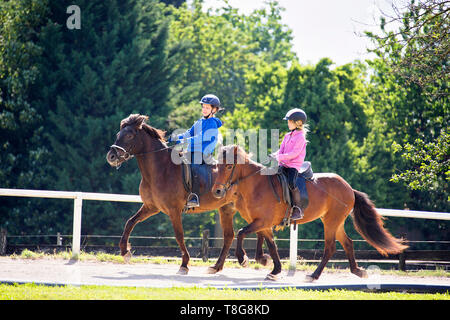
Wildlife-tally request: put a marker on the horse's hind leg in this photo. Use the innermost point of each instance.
(142, 214)
(260, 256)
(347, 244)
(329, 249)
(226, 220)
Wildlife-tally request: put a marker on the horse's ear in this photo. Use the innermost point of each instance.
(236, 152)
(140, 121)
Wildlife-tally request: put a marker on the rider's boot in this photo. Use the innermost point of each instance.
(297, 212)
(193, 199)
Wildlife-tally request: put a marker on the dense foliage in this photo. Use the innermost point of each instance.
(64, 91)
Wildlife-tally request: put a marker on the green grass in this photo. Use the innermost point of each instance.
(41, 292)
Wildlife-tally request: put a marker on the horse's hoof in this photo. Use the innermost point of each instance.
(127, 257)
(183, 271)
(265, 260)
(362, 273)
(245, 262)
(272, 277)
(211, 270)
(309, 278)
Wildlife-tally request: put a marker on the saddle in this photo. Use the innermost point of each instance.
(305, 173)
(197, 176)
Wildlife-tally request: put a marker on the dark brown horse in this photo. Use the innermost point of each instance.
(162, 190)
(330, 198)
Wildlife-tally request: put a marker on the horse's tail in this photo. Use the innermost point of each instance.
(369, 223)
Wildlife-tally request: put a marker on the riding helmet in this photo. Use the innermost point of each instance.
(212, 100)
(295, 115)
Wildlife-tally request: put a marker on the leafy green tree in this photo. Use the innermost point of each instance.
(118, 63)
(85, 81)
(23, 151)
(409, 93)
(431, 167)
(223, 46)
(175, 3)
(420, 44)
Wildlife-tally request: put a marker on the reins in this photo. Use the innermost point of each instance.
(153, 151)
(230, 184)
(127, 156)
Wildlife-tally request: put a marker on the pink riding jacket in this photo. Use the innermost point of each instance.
(293, 150)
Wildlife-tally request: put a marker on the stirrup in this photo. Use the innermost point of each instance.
(193, 201)
(295, 217)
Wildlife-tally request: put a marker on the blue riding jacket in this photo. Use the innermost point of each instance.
(202, 136)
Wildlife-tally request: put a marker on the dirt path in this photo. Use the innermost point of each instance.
(55, 271)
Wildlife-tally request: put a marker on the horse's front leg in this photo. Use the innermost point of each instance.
(268, 234)
(241, 255)
(226, 220)
(175, 218)
(142, 214)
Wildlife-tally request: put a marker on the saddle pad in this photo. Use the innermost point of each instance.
(186, 176)
(284, 188)
(305, 173)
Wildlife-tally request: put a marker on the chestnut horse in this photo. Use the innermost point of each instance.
(330, 198)
(162, 190)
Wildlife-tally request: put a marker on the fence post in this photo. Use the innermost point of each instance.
(76, 239)
(293, 247)
(2, 241)
(205, 245)
(401, 262)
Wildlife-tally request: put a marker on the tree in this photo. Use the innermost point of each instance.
(420, 44)
(334, 101)
(118, 63)
(410, 82)
(175, 3)
(430, 164)
(24, 153)
(87, 80)
(224, 45)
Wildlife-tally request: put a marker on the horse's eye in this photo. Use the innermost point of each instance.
(229, 167)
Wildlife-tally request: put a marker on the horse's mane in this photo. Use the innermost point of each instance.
(239, 155)
(138, 122)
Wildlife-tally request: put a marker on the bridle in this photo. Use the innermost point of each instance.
(228, 185)
(127, 155)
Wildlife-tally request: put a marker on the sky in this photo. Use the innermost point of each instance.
(324, 28)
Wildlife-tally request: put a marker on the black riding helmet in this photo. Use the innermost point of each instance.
(212, 100)
(295, 115)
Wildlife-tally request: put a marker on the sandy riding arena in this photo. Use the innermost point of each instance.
(61, 272)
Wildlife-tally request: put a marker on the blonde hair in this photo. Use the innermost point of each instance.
(299, 125)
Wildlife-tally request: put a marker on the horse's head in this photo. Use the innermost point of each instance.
(228, 160)
(131, 139)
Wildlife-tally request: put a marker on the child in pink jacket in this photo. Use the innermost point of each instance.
(292, 153)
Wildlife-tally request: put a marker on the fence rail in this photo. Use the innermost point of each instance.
(78, 198)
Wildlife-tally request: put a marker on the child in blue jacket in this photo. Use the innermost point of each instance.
(202, 138)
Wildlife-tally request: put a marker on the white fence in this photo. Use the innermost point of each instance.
(78, 198)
